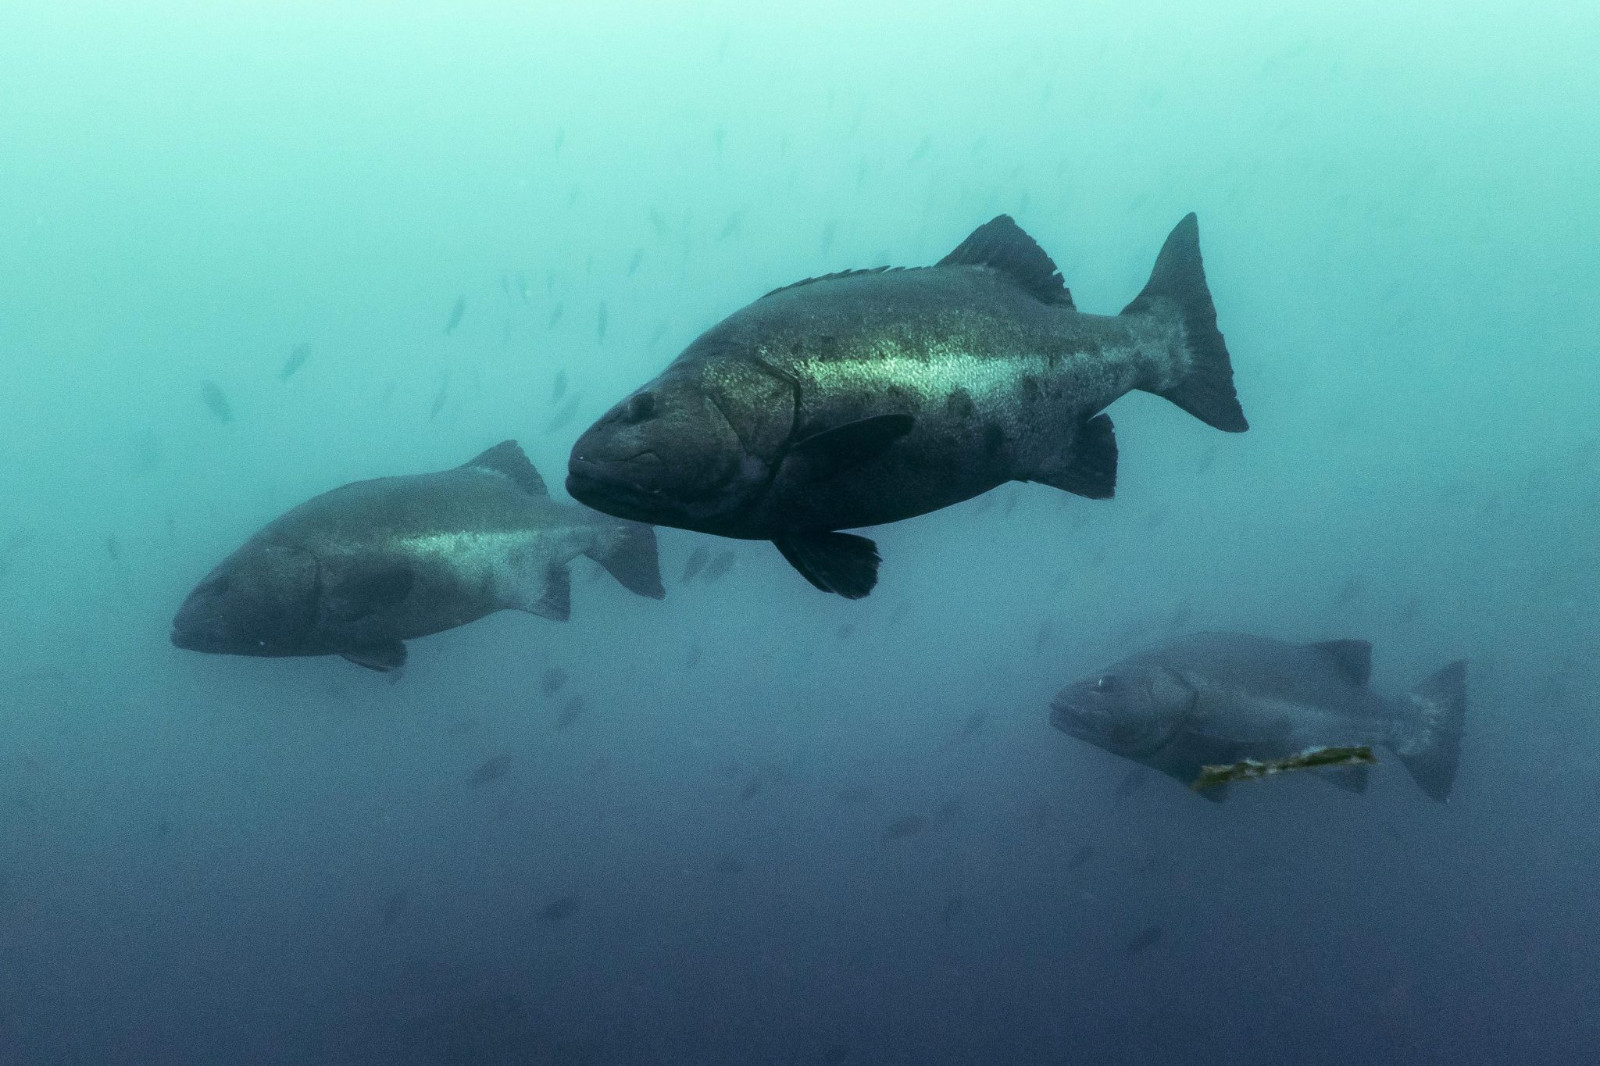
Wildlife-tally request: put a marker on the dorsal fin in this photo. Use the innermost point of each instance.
(1352, 658)
(1002, 245)
(835, 276)
(508, 458)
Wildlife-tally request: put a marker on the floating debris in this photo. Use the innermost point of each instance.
(1310, 759)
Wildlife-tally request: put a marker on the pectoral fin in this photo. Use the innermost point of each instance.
(383, 656)
(833, 451)
(842, 563)
(368, 590)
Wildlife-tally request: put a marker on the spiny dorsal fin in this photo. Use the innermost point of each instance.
(508, 458)
(1352, 658)
(1002, 245)
(835, 276)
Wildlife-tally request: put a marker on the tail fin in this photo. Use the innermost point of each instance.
(1177, 286)
(628, 551)
(1431, 748)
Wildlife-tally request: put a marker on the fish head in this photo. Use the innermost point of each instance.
(1132, 710)
(695, 448)
(262, 600)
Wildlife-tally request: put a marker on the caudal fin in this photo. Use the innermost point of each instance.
(1431, 747)
(628, 551)
(1177, 286)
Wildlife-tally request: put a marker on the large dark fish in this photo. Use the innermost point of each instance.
(876, 395)
(359, 570)
(1220, 698)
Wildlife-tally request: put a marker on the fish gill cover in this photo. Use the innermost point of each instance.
(751, 822)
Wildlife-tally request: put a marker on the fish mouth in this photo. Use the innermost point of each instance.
(1067, 717)
(604, 487)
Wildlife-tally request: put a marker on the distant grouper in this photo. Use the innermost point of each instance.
(361, 569)
(872, 396)
(1217, 707)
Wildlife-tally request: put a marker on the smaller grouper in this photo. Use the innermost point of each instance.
(361, 569)
(1214, 700)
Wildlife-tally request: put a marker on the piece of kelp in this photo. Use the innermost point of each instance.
(1310, 759)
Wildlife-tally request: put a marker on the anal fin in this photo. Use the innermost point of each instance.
(841, 563)
(1091, 470)
(383, 656)
(555, 597)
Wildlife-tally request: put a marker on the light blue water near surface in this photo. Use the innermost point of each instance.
(208, 859)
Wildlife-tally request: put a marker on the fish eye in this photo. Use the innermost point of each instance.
(1105, 683)
(640, 407)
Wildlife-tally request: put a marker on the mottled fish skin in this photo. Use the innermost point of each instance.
(377, 562)
(1222, 698)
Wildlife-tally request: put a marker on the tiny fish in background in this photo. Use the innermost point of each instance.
(1148, 938)
(456, 314)
(571, 712)
(216, 402)
(1080, 855)
(564, 415)
(718, 568)
(297, 359)
(697, 561)
(952, 910)
(394, 909)
(559, 388)
(555, 315)
(491, 769)
(560, 908)
(906, 826)
(440, 397)
(600, 323)
(728, 866)
(113, 549)
(633, 264)
(552, 680)
(751, 789)
(1132, 781)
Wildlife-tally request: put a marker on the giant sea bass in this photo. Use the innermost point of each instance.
(871, 396)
